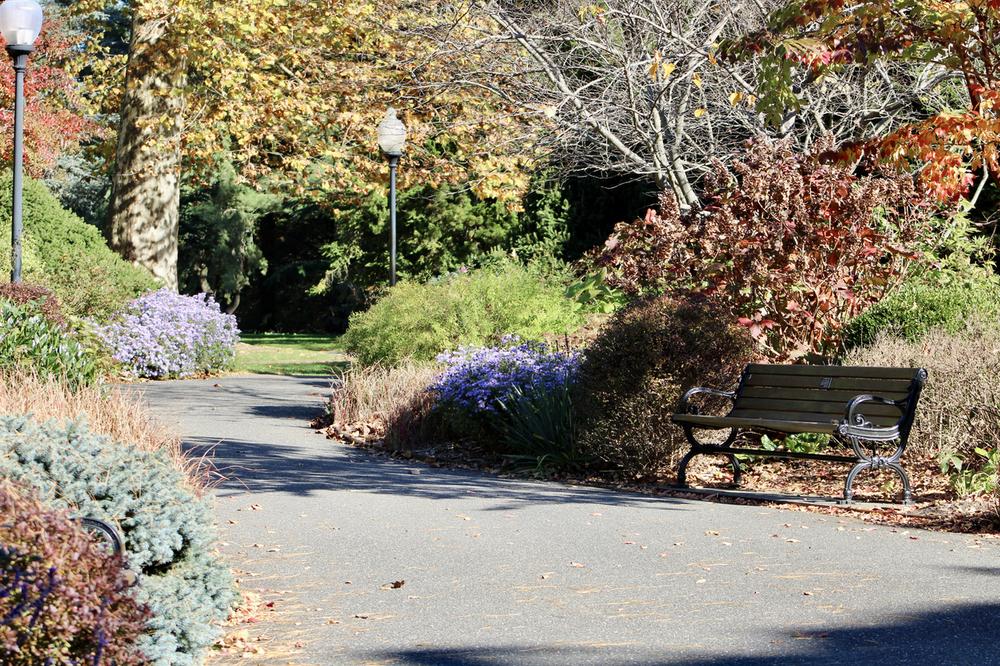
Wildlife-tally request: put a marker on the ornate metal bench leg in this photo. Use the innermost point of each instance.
(682, 469)
(737, 469)
(848, 490)
(905, 478)
(877, 463)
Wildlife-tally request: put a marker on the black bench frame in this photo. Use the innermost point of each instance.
(853, 430)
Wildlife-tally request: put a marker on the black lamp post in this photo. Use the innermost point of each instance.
(20, 23)
(391, 139)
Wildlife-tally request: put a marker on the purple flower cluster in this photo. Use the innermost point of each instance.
(164, 334)
(478, 379)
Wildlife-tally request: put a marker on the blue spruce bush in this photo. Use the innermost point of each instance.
(168, 531)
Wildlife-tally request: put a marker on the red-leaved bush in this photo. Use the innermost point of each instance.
(62, 600)
(38, 299)
(793, 247)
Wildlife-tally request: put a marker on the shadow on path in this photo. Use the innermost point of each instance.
(256, 467)
(956, 635)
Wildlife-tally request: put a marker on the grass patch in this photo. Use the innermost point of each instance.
(291, 354)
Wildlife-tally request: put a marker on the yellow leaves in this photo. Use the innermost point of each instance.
(735, 98)
(660, 70)
(696, 79)
(698, 113)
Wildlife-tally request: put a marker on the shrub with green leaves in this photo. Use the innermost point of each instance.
(168, 531)
(470, 309)
(977, 475)
(30, 341)
(919, 306)
(62, 599)
(634, 373)
(68, 256)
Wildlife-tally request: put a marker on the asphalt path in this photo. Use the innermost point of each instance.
(376, 561)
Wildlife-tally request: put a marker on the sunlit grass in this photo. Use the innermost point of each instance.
(292, 354)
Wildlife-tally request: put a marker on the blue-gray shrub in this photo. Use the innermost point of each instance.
(168, 530)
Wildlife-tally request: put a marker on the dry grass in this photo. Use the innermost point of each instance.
(117, 412)
(393, 401)
(959, 408)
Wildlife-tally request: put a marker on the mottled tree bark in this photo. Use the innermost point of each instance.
(145, 199)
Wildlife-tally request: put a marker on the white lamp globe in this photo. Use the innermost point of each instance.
(20, 22)
(391, 134)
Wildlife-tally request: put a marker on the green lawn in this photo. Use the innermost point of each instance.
(289, 354)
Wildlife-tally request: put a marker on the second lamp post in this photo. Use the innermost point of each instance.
(20, 23)
(391, 139)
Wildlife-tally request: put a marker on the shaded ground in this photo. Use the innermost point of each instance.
(291, 354)
(499, 571)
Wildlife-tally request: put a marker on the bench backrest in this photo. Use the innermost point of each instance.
(821, 392)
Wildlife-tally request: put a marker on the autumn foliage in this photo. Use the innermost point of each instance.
(55, 111)
(62, 600)
(793, 247)
(955, 41)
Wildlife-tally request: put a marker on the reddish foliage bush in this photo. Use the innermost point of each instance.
(635, 371)
(62, 600)
(792, 247)
(38, 297)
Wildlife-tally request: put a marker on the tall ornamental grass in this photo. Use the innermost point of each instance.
(115, 411)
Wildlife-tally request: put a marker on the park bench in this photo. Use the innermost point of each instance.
(865, 409)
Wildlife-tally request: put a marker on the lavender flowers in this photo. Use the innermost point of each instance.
(164, 334)
(477, 381)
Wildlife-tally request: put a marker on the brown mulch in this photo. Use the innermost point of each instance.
(935, 506)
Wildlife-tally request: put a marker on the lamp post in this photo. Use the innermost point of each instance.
(20, 23)
(391, 139)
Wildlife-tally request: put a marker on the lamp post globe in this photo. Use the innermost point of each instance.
(20, 25)
(392, 140)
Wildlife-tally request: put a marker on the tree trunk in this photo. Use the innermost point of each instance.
(145, 199)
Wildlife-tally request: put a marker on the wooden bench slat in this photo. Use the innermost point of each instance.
(817, 394)
(835, 408)
(854, 372)
(836, 383)
(813, 417)
(721, 422)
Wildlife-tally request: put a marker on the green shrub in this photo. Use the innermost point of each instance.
(979, 475)
(30, 341)
(635, 371)
(168, 531)
(478, 308)
(62, 600)
(68, 256)
(919, 306)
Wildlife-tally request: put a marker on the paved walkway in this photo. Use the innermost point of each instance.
(510, 572)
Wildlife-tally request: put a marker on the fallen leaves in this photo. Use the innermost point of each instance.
(395, 585)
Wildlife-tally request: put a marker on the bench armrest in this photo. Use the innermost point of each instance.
(856, 425)
(685, 408)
